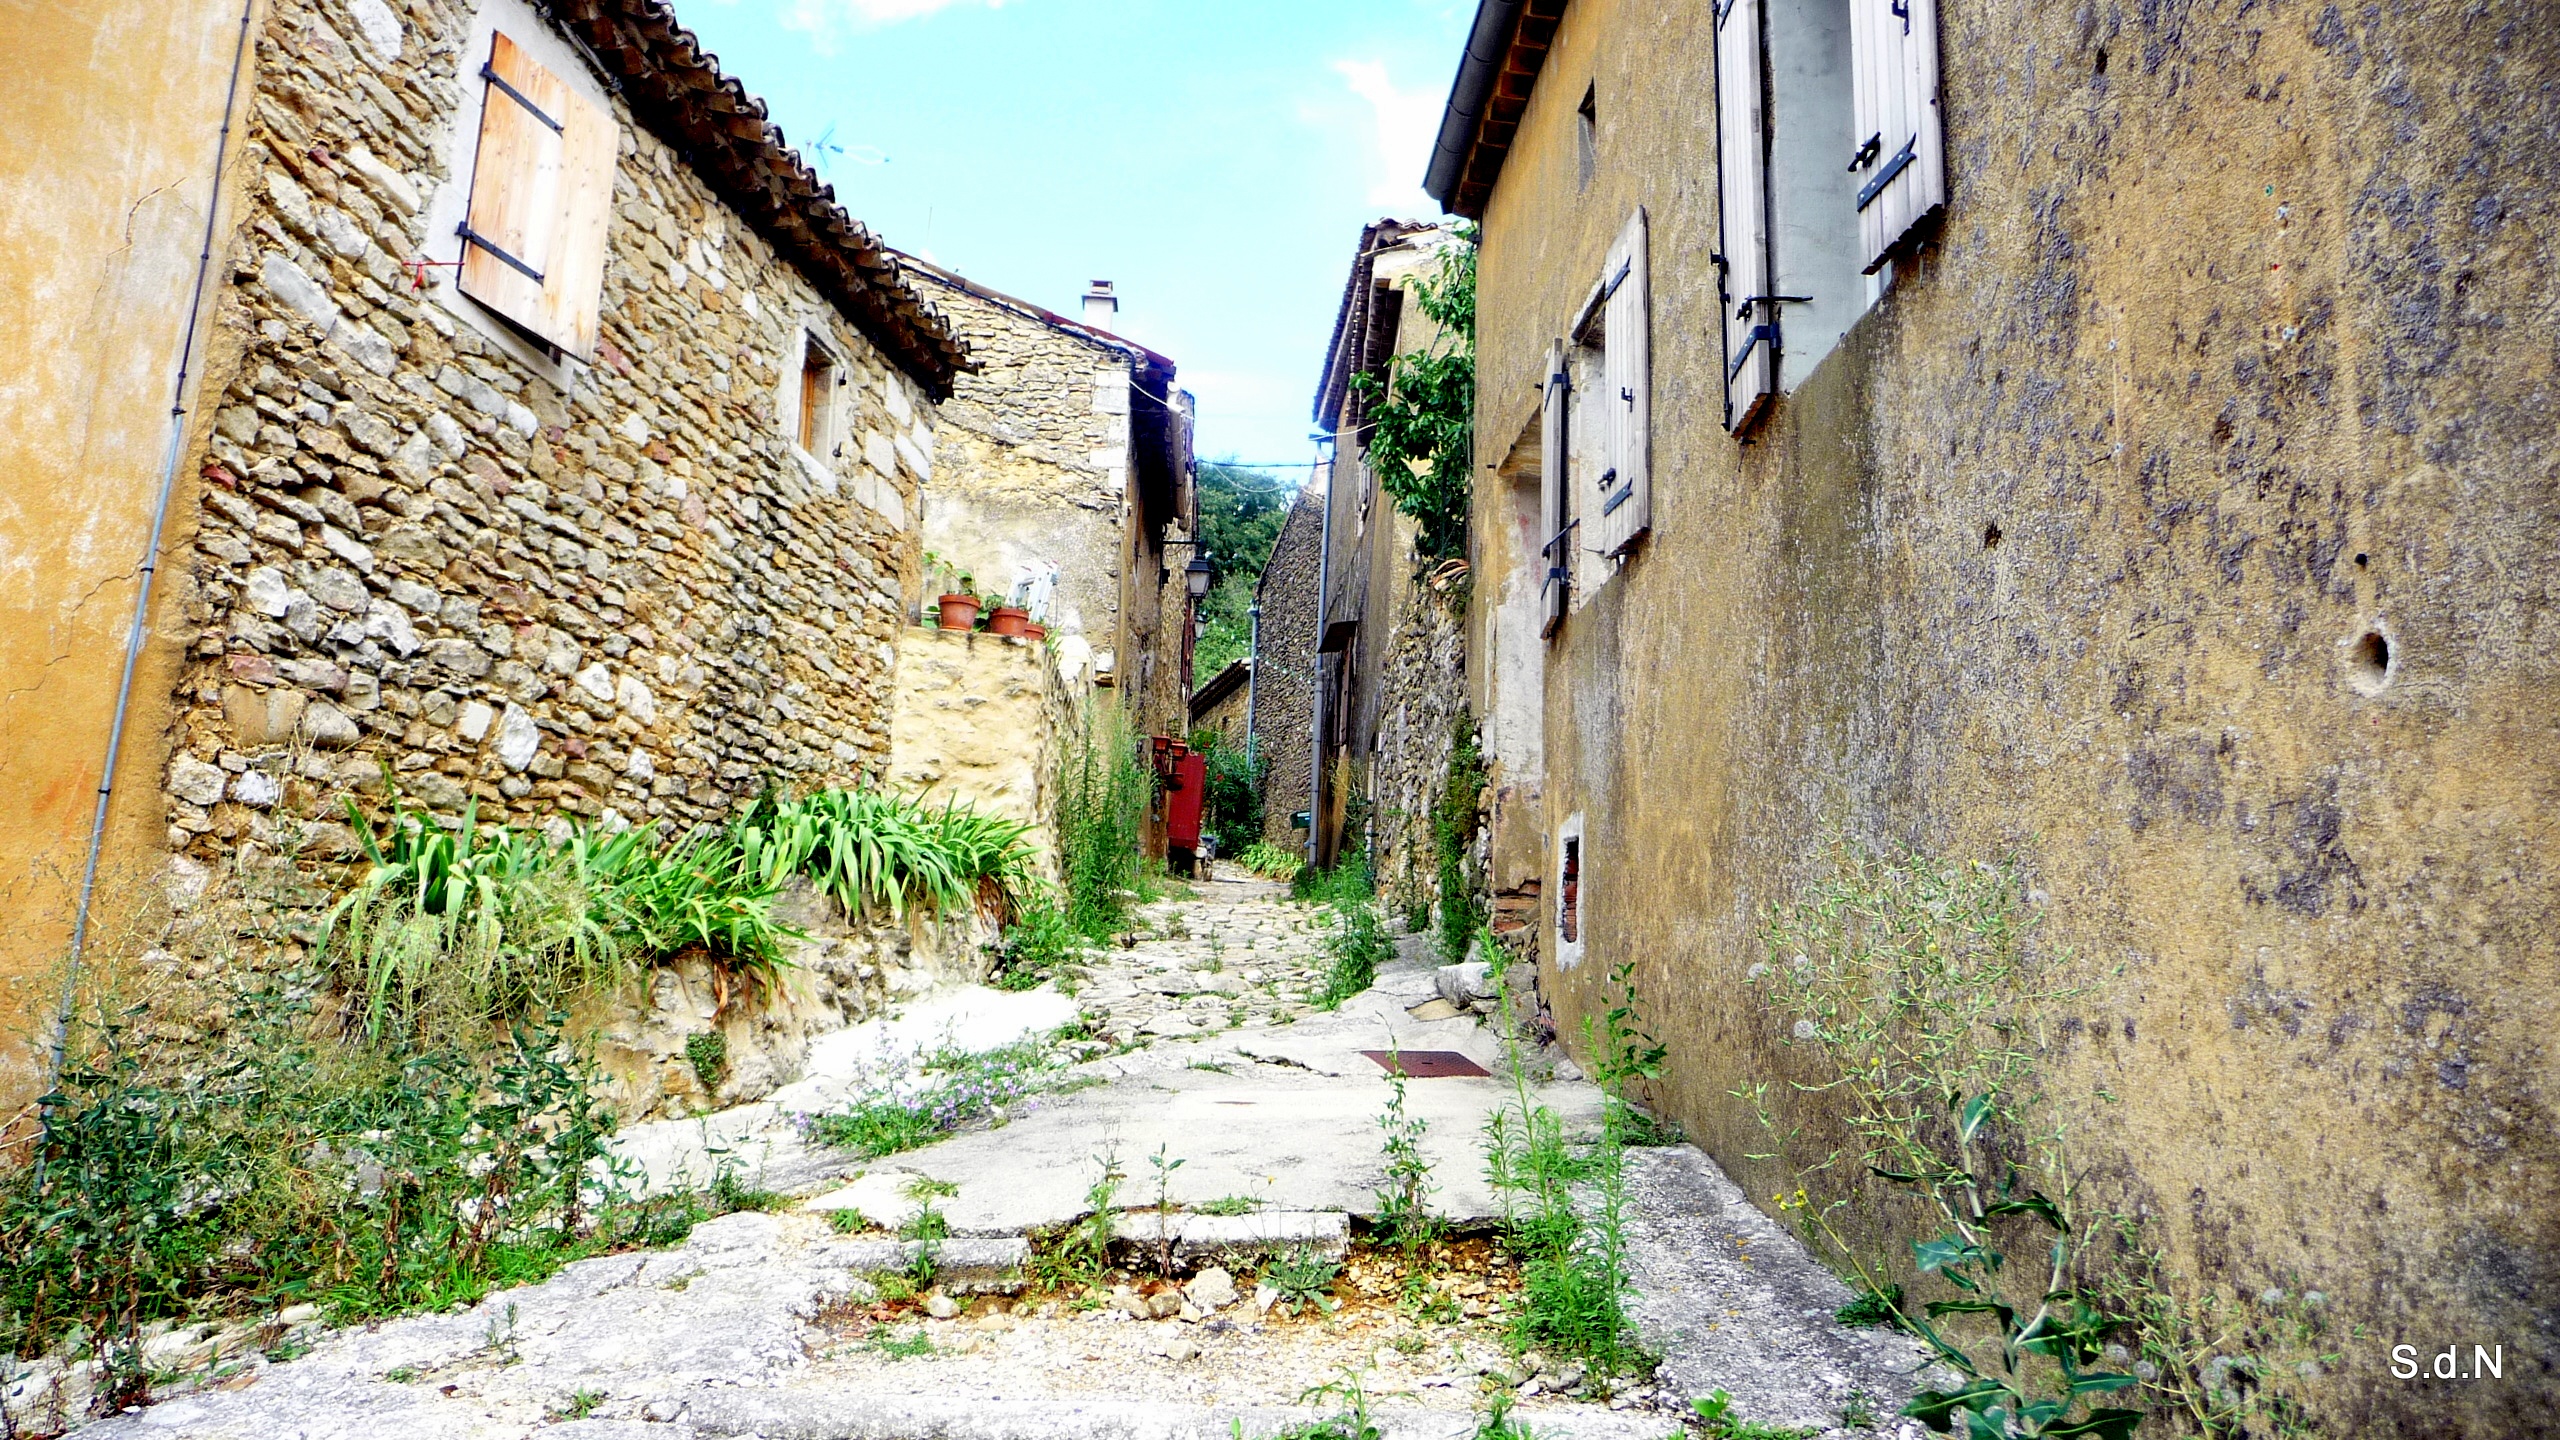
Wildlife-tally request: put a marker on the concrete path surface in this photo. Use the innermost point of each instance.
(770, 1325)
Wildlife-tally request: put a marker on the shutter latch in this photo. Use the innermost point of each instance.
(1902, 8)
(1868, 152)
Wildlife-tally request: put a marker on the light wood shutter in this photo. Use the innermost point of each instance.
(541, 191)
(1555, 556)
(1626, 501)
(1900, 168)
(1750, 317)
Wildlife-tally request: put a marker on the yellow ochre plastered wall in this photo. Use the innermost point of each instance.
(106, 168)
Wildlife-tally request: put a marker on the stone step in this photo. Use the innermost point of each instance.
(1218, 1239)
(960, 1266)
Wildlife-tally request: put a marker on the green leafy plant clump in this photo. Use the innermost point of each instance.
(1453, 836)
(1272, 862)
(369, 1179)
(475, 924)
(1104, 789)
(1359, 942)
(955, 1088)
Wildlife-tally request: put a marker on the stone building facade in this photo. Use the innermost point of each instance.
(2163, 499)
(623, 546)
(1383, 611)
(1284, 666)
(1068, 449)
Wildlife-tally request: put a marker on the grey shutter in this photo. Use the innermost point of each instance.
(1901, 168)
(1555, 557)
(1750, 318)
(1626, 500)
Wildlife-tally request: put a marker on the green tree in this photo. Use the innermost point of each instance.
(1241, 512)
(1422, 415)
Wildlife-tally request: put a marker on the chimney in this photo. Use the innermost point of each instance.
(1101, 307)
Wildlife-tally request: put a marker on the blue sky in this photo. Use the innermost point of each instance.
(1215, 159)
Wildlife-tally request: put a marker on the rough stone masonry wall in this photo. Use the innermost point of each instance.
(414, 551)
(1422, 694)
(1284, 671)
(1034, 461)
(980, 719)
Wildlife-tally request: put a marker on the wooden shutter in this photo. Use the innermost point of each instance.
(541, 189)
(1626, 498)
(1900, 168)
(1750, 318)
(1555, 555)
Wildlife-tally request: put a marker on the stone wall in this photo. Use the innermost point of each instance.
(1035, 461)
(1422, 698)
(2180, 523)
(617, 593)
(1284, 670)
(981, 718)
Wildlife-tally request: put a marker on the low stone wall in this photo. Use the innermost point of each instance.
(841, 973)
(978, 718)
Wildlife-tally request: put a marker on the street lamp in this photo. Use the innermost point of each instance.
(1196, 576)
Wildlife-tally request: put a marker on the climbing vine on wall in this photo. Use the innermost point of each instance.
(1422, 414)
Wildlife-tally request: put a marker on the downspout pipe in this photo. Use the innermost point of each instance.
(138, 630)
(1478, 69)
(1315, 729)
(1252, 668)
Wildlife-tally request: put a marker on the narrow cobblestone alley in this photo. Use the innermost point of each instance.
(1193, 1055)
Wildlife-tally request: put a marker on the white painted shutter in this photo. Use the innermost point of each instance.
(1555, 554)
(1901, 168)
(541, 191)
(1626, 494)
(1750, 320)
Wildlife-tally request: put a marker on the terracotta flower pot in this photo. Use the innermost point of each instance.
(1035, 632)
(959, 612)
(1009, 620)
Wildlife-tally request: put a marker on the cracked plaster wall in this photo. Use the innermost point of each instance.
(2237, 342)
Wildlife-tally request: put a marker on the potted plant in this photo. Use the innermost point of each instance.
(1008, 619)
(960, 604)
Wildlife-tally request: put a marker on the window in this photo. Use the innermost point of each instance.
(1571, 924)
(817, 389)
(1832, 164)
(1587, 136)
(1595, 460)
(541, 191)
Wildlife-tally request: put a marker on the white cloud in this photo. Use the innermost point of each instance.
(1405, 123)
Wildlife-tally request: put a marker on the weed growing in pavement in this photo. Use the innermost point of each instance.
(730, 1194)
(1074, 1259)
(1037, 947)
(1718, 1422)
(848, 1221)
(1404, 1203)
(581, 1404)
(1573, 1266)
(1352, 1423)
(1229, 1205)
(955, 1088)
(1272, 862)
(1872, 1309)
(928, 1224)
(902, 1344)
(1497, 1423)
(1358, 944)
(1164, 1165)
(1303, 1278)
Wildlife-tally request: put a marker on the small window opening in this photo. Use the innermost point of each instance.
(2361, 561)
(817, 387)
(1587, 133)
(1991, 536)
(1569, 900)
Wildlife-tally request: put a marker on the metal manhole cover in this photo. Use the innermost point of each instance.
(1426, 1064)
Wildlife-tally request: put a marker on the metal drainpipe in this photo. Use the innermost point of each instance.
(1252, 667)
(1315, 730)
(135, 632)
